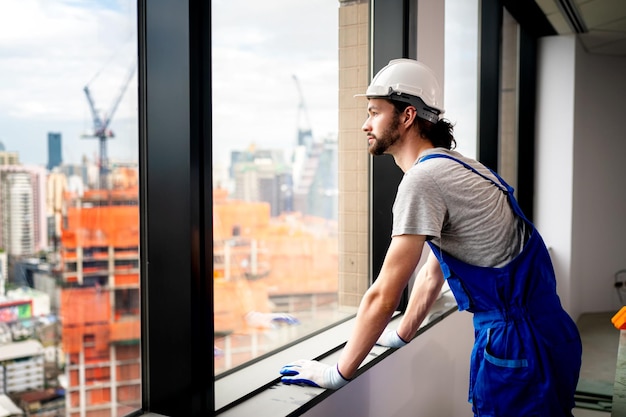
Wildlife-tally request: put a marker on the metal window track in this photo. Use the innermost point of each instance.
(569, 9)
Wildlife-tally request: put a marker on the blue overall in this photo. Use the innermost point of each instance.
(527, 350)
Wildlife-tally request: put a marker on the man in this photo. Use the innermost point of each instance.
(527, 351)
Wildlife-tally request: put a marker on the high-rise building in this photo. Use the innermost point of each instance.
(23, 223)
(4, 273)
(77, 175)
(57, 186)
(55, 158)
(322, 196)
(8, 158)
(263, 175)
(16, 194)
(315, 179)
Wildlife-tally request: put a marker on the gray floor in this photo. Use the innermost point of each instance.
(600, 343)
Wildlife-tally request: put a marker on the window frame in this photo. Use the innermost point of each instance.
(533, 25)
(174, 143)
(175, 166)
(388, 41)
(175, 179)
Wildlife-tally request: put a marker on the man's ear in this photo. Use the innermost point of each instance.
(409, 115)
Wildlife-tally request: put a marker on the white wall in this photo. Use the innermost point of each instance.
(554, 150)
(427, 378)
(599, 237)
(599, 222)
(580, 172)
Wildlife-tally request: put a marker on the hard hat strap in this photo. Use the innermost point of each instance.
(423, 111)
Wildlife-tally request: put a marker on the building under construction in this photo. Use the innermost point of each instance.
(99, 308)
(269, 272)
(264, 266)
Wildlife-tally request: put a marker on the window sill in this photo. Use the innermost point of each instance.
(257, 390)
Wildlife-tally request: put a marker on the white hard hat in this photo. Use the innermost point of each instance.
(409, 81)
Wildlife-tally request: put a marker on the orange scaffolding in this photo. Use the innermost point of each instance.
(99, 306)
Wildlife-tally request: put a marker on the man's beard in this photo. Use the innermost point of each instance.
(387, 138)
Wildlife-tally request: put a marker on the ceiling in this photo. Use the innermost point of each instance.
(600, 24)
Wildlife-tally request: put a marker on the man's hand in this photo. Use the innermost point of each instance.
(390, 338)
(313, 373)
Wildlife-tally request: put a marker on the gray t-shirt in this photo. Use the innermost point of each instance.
(463, 213)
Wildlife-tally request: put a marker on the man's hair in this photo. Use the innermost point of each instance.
(439, 134)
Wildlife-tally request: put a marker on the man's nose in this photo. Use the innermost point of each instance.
(366, 126)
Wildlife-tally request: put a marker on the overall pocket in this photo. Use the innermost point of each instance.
(505, 382)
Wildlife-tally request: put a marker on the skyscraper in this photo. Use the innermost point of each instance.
(17, 197)
(54, 150)
(8, 158)
(23, 224)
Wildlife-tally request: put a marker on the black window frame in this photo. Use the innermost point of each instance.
(533, 25)
(175, 203)
(176, 180)
(389, 41)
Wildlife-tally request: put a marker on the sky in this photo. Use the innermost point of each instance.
(51, 49)
(256, 54)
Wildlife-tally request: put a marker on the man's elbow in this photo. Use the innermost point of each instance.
(381, 301)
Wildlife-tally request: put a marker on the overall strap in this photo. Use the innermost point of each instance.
(507, 188)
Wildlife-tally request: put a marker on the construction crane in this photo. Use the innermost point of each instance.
(305, 134)
(101, 124)
(306, 159)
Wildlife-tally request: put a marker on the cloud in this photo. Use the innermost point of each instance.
(257, 49)
(49, 50)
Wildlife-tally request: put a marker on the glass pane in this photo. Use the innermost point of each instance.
(275, 169)
(461, 72)
(69, 229)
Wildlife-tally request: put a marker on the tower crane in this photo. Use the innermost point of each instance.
(306, 158)
(101, 124)
(305, 134)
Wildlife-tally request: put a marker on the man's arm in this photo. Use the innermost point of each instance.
(426, 289)
(377, 306)
(381, 300)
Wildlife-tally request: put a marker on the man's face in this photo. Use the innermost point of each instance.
(381, 126)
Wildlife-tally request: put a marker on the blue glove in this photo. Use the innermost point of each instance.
(269, 320)
(313, 373)
(391, 339)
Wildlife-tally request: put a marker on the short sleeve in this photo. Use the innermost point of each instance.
(419, 207)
